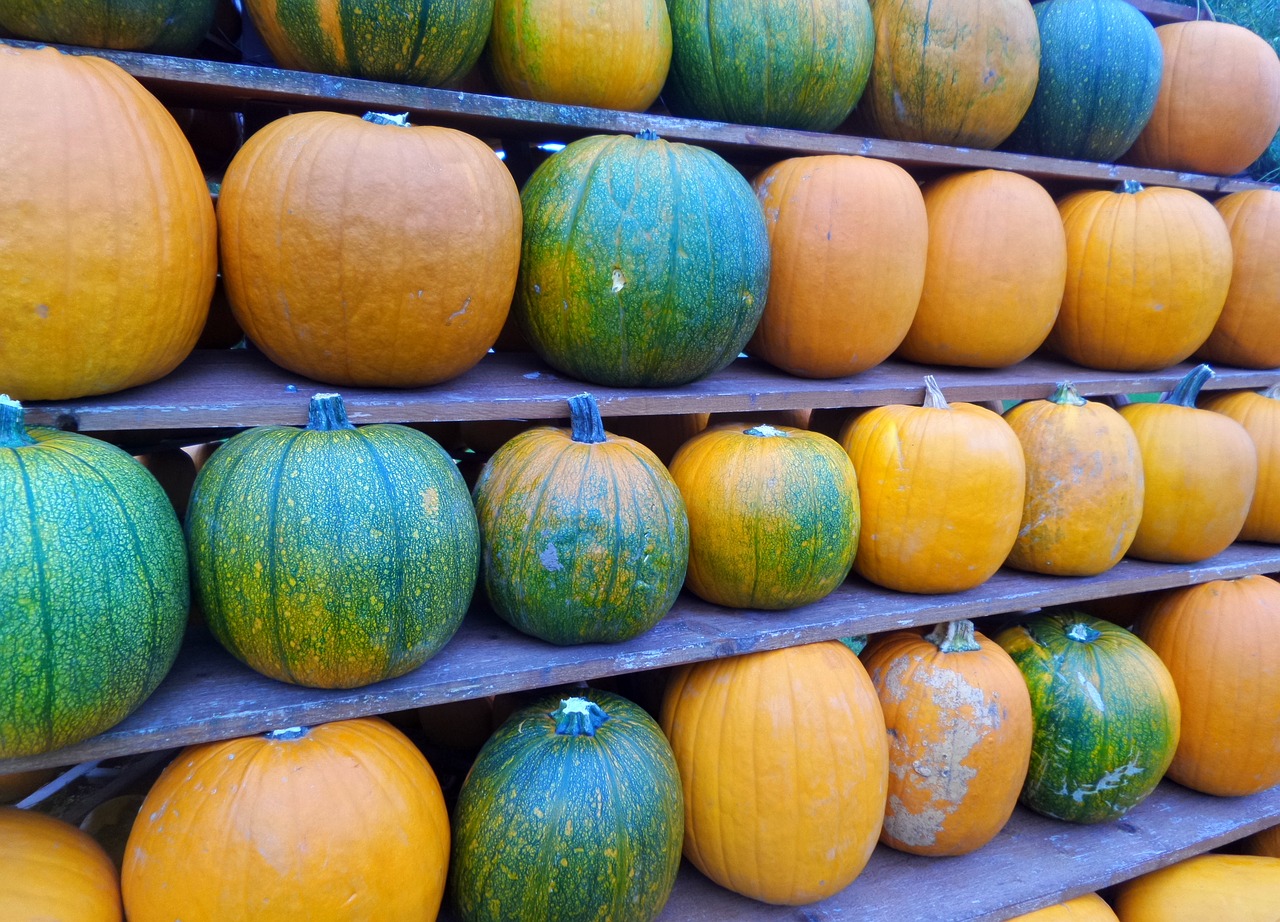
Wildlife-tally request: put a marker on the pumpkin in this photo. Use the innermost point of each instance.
(429, 44)
(94, 599)
(773, 515)
(1259, 413)
(959, 722)
(54, 871)
(1147, 276)
(1087, 908)
(461, 726)
(786, 63)
(612, 54)
(175, 471)
(332, 556)
(1100, 68)
(1200, 470)
(997, 265)
(1106, 715)
(1246, 332)
(1219, 102)
(156, 26)
(955, 72)
(109, 239)
(571, 811)
(110, 822)
(661, 433)
(1265, 842)
(584, 534)
(784, 763)
(366, 251)
(1242, 888)
(644, 263)
(1084, 485)
(941, 489)
(1221, 643)
(16, 786)
(340, 821)
(847, 240)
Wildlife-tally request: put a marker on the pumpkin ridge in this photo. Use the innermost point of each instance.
(551, 476)
(272, 504)
(400, 625)
(46, 661)
(572, 243)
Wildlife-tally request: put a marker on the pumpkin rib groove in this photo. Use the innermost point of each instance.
(537, 513)
(400, 625)
(272, 505)
(46, 659)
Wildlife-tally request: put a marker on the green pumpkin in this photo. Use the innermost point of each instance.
(155, 26)
(1106, 714)
(1100, 69)
(94, 597)
(644, 263)
(332, 556)
(584, 534)
(424, 42)
(783, 63)
(572, 812)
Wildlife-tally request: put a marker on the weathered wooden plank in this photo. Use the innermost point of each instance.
(1162, 11)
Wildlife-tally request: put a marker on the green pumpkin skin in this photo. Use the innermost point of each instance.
(153, 26)
(569, 827)
(1100, 69)
(94, 599)
(644, 263)
(1106, 714)
(768, 62)
(331, 556)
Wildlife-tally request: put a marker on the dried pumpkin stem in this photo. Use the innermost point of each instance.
(954, 637)
(1067, 395)
(933, 398)
(578, 717)
(585, 424)
(1186, 391)
(327, 413)
(765, 431)
(1083, 633)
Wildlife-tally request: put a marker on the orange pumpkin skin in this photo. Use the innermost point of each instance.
(341, 821)
(848, 238)
(1242, 888)
(995, 274)
(784, 763)
(1219, 102)
(1087, 908)
(941, 489)
(108, 235)
(1259, 413)
(1084, 485)
(1147, 275)
(959, 720)
(54, 871)
(14, 786)
(1265, 843)
(369, 254)
(1199, 470)
(1221, 643)
(1247, 333)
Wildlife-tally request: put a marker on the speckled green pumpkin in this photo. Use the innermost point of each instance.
(584, 534)
(332, 556)
(424, 42)
(572, 812)
(94, 587)
(785, 63)
(1106, 715)
(156, 26)
(644, 263)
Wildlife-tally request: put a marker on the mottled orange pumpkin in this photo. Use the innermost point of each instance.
(1239, 888)
(848, 239)
(1259, 413)
(1247, 333)
(54, 871)
(1221, 643)
(784, 764)
(1087, 908)
(959, 721)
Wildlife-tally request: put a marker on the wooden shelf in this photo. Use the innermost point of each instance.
(208, 695)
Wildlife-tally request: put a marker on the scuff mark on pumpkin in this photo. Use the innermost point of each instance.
(1091, 691)
(430, 501)
(550, 559)
(619, 280)
(459, 312)
(42, 311)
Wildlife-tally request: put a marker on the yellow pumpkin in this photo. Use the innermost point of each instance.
(54, 871)
(1087, 908)
(1259, 413)
(1238, 888)
(1247, 333)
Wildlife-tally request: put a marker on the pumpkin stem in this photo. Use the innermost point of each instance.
(13, 433)
(1186, 391)
(765, 431)
(1083, 633)
(1066, 394)
(327, 413)
(288, 733)
(933, 398)
(1273, 392)
(578, 717)
(647, 134)
(1130, 187)
(954, 637)
(857, 643)
(383, 118)
(584, 420)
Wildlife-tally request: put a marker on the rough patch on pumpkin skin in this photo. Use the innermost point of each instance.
(916, 829)
(42, 311)
(430, 500)
(1091, 692)
(1108, 782)
(550, 559)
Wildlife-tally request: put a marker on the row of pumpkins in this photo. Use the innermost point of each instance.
(366, 252)
(774, 773)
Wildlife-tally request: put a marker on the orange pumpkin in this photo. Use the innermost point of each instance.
(996, 270)
(848, 238)
(1200, 470)
(1147, 275)
(784, 764)
(1239, 888)
(661, 433)
(941, 489)
(109, 240)
(1219, 102)
(175, 470)
(1266, 842)
(1087, 908)
(1084, 485)
(15, 786)
(1221, 643)
(54, 871)
(336, 822)
(1247, 333)
(959, 721)
(1259, 413)
(369, 252)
